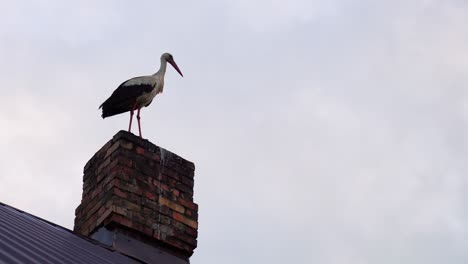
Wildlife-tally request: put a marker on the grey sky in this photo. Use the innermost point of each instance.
(322, 131)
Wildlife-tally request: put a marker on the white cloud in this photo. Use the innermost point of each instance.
(271, 15)
(322, 132)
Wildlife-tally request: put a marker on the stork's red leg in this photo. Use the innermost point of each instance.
(138, 118)
(131, 118)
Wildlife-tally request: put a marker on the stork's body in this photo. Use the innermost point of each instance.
(137, 93)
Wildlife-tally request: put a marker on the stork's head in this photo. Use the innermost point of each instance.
(168, 57)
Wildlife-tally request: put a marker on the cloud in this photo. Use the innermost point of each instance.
(271, 15)
(321, 132)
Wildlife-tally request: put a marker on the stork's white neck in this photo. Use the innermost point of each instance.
(162, 69)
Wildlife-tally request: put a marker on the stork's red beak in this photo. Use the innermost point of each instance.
(176, 67)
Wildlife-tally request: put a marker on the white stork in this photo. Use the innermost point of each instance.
(137, 92)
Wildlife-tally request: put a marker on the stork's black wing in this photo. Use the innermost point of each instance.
(124, 97)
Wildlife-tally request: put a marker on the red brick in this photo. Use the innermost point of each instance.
(191, 232)
(103, 216)
(143, 229)
(119, 210)
(161, 187)
(165, 220)
(185, 220)
(140, 150)
(128, 187)
(120, 220)
(187, 239)
(174, 241)
(119, 193)
(171, 173)
(148, 203)
(191, 214)
(163, 209)
(103, 165)
(174, 206)
(150, 196)
(187, 181)
(125, 161)
(126, 145)
(188, 204)
(185, 189)
(101, 210)
(129, 205)
(115, 146)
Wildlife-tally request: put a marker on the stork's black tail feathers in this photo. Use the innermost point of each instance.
(124, 98)
(111, 109)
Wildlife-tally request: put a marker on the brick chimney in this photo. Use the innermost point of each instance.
(138, 199)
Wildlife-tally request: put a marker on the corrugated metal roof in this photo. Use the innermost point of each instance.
(25, 238)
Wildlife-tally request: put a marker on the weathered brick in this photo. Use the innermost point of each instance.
(174, 206)
(103, 216)
(135, 198)
(91, 223)
(140, 151)
(148, 154)
(163, 209)
(188, 204)
(191, 232)
(150, 195)
(192, 214)
(171, 173)
(119, 210)
(149, 203)
(179, 169)
(119, 193)
(161, 187)
(91, 207)
(179, 226)
(181, 218)
(184, 188)
(163, 177)
(126, 145)
(114, 147)
(179, 244)
(120, 220)
(166, 229)
(125, 161)
(185, 238)
(128, 187)
(148, 231)
(103, 165)
(186, 196)
(165, 220)
(129, 205)
(187, 181)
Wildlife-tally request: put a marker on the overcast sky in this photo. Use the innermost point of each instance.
(322, 131)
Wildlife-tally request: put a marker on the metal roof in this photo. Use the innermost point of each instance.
(25, 238)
